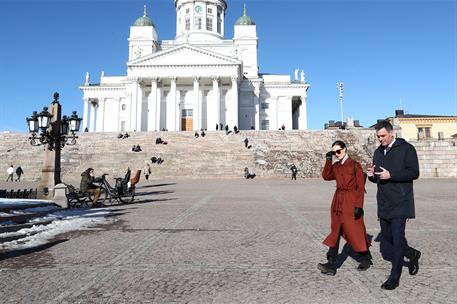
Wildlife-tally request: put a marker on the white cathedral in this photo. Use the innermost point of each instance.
(197, 81)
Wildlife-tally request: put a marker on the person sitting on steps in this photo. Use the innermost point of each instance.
(248, 174)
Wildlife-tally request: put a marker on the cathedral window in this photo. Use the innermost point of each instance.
(198, 23)
(209, 24)
(187, 113)
(265, 125)
(123, 107)
(187, 24)
(265, 106)
(123, 126)
(187, 10)
(210, 11)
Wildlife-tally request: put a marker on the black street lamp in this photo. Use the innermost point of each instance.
(49, 128)
(53, 131)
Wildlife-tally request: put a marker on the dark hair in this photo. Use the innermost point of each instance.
(339, 143)
(89, 169)
(384, 124)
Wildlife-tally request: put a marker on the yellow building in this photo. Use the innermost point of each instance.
(413, 126)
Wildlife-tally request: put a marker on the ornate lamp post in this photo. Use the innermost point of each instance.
(340, 87)
(54, 131)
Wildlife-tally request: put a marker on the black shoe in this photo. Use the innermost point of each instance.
(364, 265)
(327, 268)
(413, 266)
(390, 284)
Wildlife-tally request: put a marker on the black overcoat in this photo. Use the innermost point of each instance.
(395, 196)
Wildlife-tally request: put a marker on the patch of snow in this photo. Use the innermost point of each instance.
(63, 221)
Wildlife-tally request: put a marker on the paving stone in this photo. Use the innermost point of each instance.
(234, 241)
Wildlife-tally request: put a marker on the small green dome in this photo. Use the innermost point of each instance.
(144, 20)
(245, 19)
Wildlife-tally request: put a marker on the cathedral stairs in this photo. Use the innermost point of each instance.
(214, 156)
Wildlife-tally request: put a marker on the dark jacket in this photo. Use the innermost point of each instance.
(86, 182)
(19, 171)
(395, 196)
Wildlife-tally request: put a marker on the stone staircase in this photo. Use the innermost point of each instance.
(214, 156)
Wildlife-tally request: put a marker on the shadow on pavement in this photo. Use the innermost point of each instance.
(20, 252)
(154, 193)
(157, 185)
(348, 252)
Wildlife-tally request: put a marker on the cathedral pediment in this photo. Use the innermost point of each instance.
(184, 55)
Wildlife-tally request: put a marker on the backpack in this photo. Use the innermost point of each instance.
(355, 176)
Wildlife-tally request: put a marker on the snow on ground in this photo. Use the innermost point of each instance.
(63, 220)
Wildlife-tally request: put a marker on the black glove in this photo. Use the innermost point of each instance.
(358, 212)
(328, 155)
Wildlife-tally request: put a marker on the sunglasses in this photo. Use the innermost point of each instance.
(337, 151)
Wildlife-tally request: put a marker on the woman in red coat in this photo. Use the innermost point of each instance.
(347, 208)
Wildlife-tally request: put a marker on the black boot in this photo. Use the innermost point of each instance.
(365, 261)
(328, 268)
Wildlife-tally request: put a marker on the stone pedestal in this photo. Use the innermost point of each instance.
(60, 197)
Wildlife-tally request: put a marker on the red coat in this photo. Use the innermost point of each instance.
(345, 199)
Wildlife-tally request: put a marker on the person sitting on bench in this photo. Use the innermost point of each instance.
(87, 186)
(248, 174)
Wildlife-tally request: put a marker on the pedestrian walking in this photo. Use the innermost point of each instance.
(294, 171)
(10, 172)
(19, 172)
(395, 167)
(147, 171)
(346, 209)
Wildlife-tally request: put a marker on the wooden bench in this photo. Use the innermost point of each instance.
(76, 198)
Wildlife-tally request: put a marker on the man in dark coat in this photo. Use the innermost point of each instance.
(294, 171)
(19, 172)
(395, 166)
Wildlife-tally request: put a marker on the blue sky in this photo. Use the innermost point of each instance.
(388, 53)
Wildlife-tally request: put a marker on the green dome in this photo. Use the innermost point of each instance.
(245, 19)
(144, 20)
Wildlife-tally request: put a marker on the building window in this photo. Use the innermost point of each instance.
(198, 23)
(187, 24)
(265, 105)
(219, 26)
(187, 10)
(210, 11)
(265, 125)
(187, 113)
(423, 132)
(209, 24)
(122, 125)
(123, 107)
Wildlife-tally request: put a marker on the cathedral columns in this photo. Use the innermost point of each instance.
(171, 106)
(139, 107)
(197, 105)
(100, 115)
(134, 105)
(92, 116)
(86, 113)
(231, 118)
(215, 107)
(158, 107)
(274, 111)
(152, 106)
(257, 108)
(302, 119)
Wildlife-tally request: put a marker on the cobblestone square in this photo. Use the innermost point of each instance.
(235, 241)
